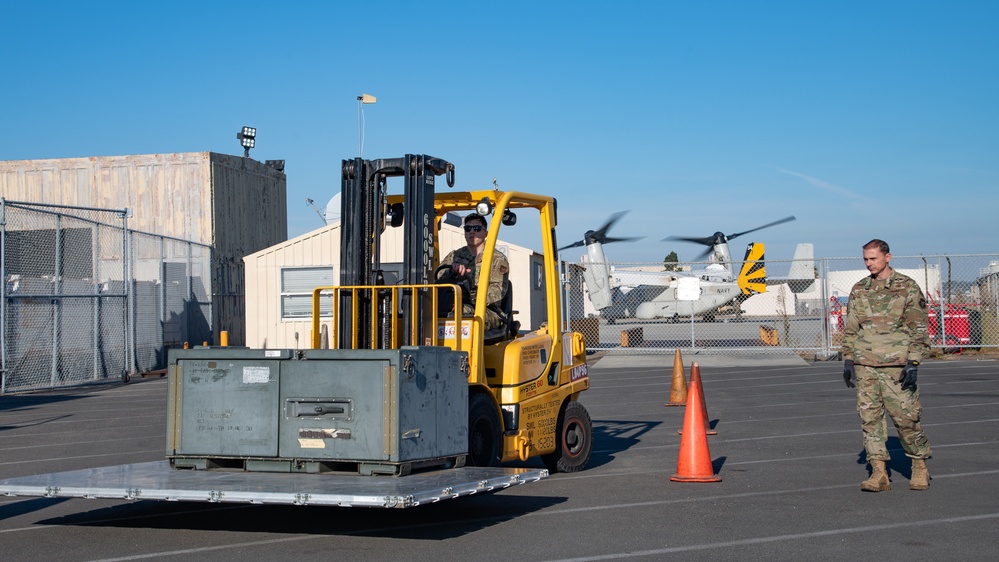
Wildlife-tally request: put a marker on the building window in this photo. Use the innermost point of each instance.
(297, 284)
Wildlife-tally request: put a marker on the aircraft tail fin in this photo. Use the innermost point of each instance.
(802, 274)
(753, 275)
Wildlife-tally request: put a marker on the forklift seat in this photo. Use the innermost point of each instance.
(503, 309)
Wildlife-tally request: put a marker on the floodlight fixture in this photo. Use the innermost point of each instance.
(248, 139)
(276, 164)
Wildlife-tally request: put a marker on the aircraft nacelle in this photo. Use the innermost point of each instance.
(597, 276)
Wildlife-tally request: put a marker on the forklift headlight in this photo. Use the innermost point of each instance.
(511, 416)
(509, 219)
(484, 207)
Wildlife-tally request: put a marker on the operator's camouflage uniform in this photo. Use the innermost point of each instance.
(497, 281)
(885, 327)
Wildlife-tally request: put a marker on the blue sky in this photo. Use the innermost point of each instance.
(862, 119)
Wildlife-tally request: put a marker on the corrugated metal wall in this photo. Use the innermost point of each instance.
(250, 209)
(236, 205)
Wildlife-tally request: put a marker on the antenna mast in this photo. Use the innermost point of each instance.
(312, 204)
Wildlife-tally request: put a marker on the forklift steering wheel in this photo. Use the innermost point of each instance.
(445, 275)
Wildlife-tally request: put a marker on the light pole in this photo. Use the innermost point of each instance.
(362, 99)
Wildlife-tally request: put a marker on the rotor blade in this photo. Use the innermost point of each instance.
(608, 240)
(601, 232)
(781, 221)
(704, 254)
(705, 241)
(600, 235)
(576, 244)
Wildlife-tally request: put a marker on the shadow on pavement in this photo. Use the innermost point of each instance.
(440, 521)
(614, 436)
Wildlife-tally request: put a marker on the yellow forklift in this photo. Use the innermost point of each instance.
(523, 384)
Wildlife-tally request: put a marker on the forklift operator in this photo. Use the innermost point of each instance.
(465, 261)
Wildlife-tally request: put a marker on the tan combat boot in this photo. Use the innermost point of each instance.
(878, 482)
(920, 476)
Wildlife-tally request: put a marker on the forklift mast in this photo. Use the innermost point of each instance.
(363, 215)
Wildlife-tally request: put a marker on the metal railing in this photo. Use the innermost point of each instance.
(388, 323)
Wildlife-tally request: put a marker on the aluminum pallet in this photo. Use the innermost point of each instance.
(157, 481)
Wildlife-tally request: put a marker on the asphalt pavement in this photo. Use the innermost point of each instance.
(788, 451)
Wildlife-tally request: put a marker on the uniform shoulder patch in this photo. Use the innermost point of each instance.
(922, 303)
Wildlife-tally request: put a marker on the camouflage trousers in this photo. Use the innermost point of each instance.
(878, 391)
(492, 320)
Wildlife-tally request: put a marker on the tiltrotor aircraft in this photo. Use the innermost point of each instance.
(671, 295)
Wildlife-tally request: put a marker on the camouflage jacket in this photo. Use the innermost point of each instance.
(497, 276)
(885, 322)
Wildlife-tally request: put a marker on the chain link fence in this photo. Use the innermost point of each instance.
(801, 316)
(172, 303)
(86, 300)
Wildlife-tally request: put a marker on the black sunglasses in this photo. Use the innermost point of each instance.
(474, 228)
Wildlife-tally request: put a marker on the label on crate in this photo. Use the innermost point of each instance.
(256, 375)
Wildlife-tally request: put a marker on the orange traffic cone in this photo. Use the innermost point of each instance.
(696, 370)
(694, 461)
(695, 380)
(678, 391)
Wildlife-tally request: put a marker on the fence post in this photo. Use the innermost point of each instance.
(826, 309)
(3, 296)
(95, 308)
(130, 348)
(56, 300)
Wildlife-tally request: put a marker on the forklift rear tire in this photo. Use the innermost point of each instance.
(574, 440)
(483, 432)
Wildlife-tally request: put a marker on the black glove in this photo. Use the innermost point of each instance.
(908, 377)
(849, 373)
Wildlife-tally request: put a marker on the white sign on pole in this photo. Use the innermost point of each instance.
(688, 289)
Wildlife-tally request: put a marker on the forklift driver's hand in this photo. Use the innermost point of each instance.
(459, 269)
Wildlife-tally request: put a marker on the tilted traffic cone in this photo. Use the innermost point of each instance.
(678, 391)
(695, 380)
(694, 461)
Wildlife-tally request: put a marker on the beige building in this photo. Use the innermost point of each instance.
(234, 205)
(280, 279)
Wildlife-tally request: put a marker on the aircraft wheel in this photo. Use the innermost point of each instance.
(483, 432)
(574, 440)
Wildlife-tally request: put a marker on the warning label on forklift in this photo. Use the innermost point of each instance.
(445, 330)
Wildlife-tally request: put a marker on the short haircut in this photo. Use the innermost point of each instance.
(877, 244)
(475, 217)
